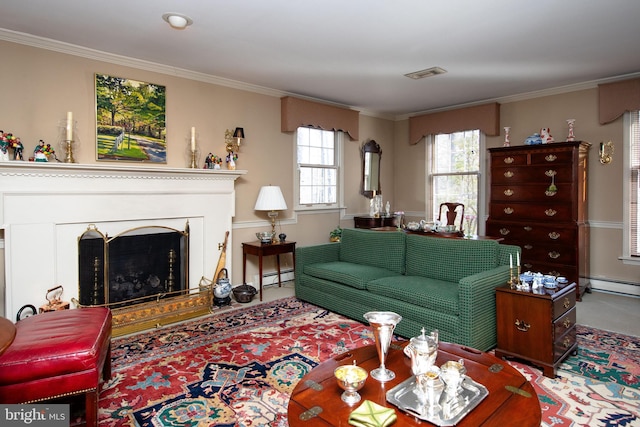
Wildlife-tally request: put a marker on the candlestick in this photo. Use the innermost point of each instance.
(518, 259)
(193, 139)
(510, 261)
(69, 126)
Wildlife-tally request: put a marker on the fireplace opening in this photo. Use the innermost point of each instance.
(136, 266)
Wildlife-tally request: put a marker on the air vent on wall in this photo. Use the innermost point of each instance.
(433, 71)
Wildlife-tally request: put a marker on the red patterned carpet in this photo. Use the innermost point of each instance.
(238, 368)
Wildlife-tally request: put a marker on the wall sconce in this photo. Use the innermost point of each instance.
(233, 140)
(238, 134)
(606, 152)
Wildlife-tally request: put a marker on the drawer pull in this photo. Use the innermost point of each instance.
(550, 173)
(550, 157)
(550, 193)
(550, 212)
(522, 325)
(526, 264)
(504, 231)
(528, 228)
(508, 192)
(554, 254)
(508, 160)
(554, 235)
(508, 174)
(566, 323)
(508, 210)
(566, 303)
(529, 247)
(566, 343)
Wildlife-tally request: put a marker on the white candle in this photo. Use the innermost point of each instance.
(510, 261)
(517, 259)
(69, 126)
(193, 138)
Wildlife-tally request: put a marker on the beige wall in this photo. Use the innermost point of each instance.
(39, 86)
(43, 85)
(526, 117)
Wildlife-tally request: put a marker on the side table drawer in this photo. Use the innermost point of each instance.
(564, 323)
(564, 304)
(564, 344)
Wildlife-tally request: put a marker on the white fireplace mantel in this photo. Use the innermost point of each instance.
(45, 207)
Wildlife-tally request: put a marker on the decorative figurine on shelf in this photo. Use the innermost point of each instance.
(208, 162)
(231, 160)
(43, 152)
(17, 146)
(533, 140)
(217, 161)
(545, 135)
(4, 148)
(507, 143)
(571, 123)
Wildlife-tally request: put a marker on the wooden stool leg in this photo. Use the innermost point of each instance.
(91, 408)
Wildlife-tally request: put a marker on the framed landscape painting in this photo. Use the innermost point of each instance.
(130, 120)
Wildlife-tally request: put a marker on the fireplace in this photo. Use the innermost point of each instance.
(136, 266)
(47, 206)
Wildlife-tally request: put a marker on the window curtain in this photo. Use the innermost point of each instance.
(616, 98)
(634, 185)
(485, 117)
(296, 112)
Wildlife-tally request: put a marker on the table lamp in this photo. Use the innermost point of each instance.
(271, 199)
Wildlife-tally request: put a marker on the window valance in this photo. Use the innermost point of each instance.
(485, 117)
(297, 112)
(616, 98)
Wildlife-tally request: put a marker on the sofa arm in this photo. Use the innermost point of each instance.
(306, 255)
(477, 305)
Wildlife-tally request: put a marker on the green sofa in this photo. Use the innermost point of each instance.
(435, 283)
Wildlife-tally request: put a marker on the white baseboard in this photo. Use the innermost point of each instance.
(271, 278)
(631, 289)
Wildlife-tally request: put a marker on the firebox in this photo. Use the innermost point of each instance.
(136, 266)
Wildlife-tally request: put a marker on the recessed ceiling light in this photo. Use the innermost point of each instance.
(177, 20)
(433, 71)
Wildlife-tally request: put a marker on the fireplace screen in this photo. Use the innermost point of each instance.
(138, 265)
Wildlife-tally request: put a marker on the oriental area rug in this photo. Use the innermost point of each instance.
(239, 367)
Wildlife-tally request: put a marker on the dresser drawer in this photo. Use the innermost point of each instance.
(531, 231)
(562, 159)
(531, 193)
(509, 159)
(524, 174)
(554, 254)
(536, 212)
(564, 323)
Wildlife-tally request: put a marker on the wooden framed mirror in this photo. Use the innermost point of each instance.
(371, 154)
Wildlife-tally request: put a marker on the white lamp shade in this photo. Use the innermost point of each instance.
(270, 199)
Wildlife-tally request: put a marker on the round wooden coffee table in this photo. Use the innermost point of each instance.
(315, 401)
(7, 333)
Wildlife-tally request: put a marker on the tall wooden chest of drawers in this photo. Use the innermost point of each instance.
(538, 326)
(538, 201)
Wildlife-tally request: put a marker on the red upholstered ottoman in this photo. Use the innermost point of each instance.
(56, 354)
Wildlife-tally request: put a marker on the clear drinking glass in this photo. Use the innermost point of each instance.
(383, 324)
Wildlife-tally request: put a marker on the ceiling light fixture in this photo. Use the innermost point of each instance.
(429, 72)
(177, 20)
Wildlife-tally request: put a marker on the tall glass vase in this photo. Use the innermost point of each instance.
(383, 324)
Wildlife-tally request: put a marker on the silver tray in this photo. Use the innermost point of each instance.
(450, 410)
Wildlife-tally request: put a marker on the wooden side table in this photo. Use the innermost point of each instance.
(265, 249)
(537, 326)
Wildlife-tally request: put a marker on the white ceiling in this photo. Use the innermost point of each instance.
(356, 52)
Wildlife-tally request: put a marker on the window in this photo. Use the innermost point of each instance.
(318, 157)
(454, 174)
(633, 192)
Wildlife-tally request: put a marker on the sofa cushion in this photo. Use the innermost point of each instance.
(438, 295)
(384, 249)
(449, 259)
(347, 273)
